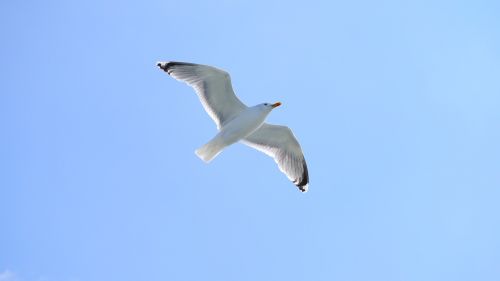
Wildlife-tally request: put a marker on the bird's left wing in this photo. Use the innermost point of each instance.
(213, 87)
(280, 143)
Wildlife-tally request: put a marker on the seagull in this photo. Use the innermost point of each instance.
(238, 122)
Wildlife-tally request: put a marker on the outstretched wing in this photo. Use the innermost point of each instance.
(213, 87)
(280, 143)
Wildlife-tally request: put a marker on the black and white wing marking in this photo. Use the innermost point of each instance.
(280, 143)
(213, 87)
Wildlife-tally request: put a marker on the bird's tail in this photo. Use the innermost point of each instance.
(210, 150)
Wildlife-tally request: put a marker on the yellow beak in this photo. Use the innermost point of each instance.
(276, 104)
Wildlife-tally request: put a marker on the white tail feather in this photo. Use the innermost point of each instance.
(210, 150)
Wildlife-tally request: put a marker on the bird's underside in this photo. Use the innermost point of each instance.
(214, 89)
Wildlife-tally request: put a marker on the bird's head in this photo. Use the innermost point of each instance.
(271, 106)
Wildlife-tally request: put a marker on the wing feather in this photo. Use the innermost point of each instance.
(213, 87)
(279, 143)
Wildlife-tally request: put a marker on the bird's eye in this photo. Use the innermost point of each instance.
(266, 104)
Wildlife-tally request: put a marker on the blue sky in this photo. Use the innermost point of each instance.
(396, 105)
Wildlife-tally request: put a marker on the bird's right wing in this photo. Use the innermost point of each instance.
(280, 143)
(213, 87)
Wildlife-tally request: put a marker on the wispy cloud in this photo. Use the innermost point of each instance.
(8, 275)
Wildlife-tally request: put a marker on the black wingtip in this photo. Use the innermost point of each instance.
(167, 66)
(303, 184)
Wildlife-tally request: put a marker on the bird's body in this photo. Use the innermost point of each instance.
(236, 129)
(237, 122)
(245, 123)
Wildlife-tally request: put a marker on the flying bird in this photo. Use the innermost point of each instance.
(238, 122)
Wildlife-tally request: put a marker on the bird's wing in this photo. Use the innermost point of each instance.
(280, 143)
(213, 87)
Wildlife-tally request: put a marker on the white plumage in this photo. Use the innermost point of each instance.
(237, 122)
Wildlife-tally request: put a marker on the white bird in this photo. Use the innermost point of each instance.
(237, 122)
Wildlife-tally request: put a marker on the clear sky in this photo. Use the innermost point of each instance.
(396, 105)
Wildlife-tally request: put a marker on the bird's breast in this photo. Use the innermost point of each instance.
(242, 126)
